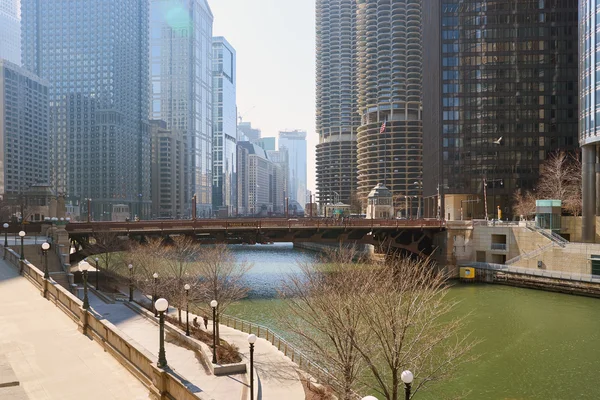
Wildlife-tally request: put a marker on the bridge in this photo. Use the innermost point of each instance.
(414, 236)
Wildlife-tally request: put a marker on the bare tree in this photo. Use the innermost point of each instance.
(389, 317)
(322, 305)
(221, 277)
(400, 204)
(523, 203)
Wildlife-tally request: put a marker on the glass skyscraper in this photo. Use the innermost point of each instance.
(95, 56)
(589, 116)
(295, 144)
(224, 128)
(10, 31)
(500, 94)
(181, 76)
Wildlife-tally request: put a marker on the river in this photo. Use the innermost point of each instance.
(536, 345)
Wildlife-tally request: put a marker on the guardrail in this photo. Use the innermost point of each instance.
(207, 224)
(498, 246)
(570, 276)
(548, 233)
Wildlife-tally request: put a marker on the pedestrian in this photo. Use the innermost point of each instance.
(205, 318)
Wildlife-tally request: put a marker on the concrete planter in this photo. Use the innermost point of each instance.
(229, 369)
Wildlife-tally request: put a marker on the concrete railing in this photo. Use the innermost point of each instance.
(162, 383)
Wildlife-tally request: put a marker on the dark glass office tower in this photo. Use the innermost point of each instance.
(499, 94)
(94, 55)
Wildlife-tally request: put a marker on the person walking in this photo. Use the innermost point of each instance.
(205, 318)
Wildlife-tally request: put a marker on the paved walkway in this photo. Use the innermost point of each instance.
(180, 359)
(50, 358)
(277, 376)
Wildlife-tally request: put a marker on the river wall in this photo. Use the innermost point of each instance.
(508, 278)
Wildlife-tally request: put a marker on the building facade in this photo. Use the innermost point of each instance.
(95, 57)
(168, 150)
(248, 132)
(337, 118)
(181, 79)
(295, 144)
(267, 143)
(24, 130)
(10, 31)
(389, 60)
(500, 94)
(224, 196)
(589, 116)
(257, 190)
(280, 159)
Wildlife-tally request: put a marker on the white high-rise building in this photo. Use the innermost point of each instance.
(295, 143)
(10, 31)
(181, 78)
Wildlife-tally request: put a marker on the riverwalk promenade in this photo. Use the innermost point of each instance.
(44, 356)
(45, 351)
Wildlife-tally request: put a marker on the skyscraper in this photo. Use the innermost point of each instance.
(10, 31)
(95, 56)
(589, 117)
(500, 93)
(181, 75)
(224, 198)
(24, 129)
(389, 92)
(251, 134)
(295, 144)
(336, 99)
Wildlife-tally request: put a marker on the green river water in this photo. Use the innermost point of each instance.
(535, 345)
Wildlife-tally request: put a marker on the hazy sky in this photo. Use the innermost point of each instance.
(275, 45)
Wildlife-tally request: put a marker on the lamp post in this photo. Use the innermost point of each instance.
(5, 234)
(45, 247)
(214, 305)
(407, 377)
(161, 306)
(83, 267)
(154, 296)
(130, 266)
(97, 264)
(252, 340)
(187, 309)
(22, 235)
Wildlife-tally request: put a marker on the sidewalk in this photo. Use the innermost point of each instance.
(50, 358)
(277, 374)
(180, 359)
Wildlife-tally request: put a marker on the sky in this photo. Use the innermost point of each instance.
(275, 45)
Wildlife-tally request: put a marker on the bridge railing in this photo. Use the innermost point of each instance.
(250, 224)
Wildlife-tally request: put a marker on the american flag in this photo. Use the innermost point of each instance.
(382, 127)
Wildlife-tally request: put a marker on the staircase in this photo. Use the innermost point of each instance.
(33, 254)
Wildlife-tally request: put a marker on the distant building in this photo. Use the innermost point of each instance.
(251, 134)
(258, 170)
(224, 196)
(267, 143)
(24, 129)
(95, 56)
(10, 31)
(168, 149)
(181, 77)
(295, 143)
(280, 159)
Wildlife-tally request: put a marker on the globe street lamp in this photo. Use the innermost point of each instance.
(407, 377)
(214, 305)
(130, 266)
(97, 264)
(84, 266)
(369, 398)
(154, 296)
(22, 235)
(45, 248)
(5, 234)
(187, 309)
(252, 340)
(161, 306)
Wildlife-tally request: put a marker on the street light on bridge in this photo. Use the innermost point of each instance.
(5, 234)
(161, 305)
(84, 266)
(22, 235)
